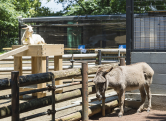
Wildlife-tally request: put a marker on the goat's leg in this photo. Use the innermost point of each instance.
(122, 97)
(147, 88)
(119, 99)
(143, 97)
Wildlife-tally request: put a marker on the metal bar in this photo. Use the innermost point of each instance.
(118, 55)
(33, 116)
(72, 61)
(19, 33)
(113, 57)
(41, 90)
(128, 31)
(24, 93)
(89, 61)
(132, 24)
(47, 62)
(66, 85)
(53, 100)
(69, 106)
(99, 57)
(33, 91)
(85, 91)
(122, 61)
(15, 95)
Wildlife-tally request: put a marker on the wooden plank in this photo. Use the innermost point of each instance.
(34, 50)
(42, 50)
(13, 52)
(18, 64)
(57, 49)
(57, 67)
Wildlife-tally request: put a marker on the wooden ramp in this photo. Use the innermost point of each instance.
(13, 52)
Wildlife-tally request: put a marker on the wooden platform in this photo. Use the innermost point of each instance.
(38, 55)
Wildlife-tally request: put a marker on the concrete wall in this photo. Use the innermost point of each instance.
(157, 60)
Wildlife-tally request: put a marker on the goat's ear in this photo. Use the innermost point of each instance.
(107, 71)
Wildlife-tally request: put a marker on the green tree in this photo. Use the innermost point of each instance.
(93, 7)
(10, 10)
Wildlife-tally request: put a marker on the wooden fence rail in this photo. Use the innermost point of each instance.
(45, 77)
(105, 59)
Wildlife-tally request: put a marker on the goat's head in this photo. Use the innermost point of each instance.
(29, 28)
(101, 82)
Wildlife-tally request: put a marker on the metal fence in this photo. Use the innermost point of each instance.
(146, 26)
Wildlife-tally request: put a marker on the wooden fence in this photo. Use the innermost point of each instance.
(15, 82)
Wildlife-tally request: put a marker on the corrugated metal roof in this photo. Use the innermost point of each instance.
(73, 18)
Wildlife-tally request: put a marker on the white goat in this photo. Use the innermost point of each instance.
(29, 38)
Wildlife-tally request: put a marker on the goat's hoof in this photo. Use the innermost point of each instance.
(120, 115)
(148, 110)
(138, 111)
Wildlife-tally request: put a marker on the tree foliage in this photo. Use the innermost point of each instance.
(10, 10)
(93, 7)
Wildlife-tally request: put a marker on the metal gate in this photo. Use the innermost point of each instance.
(146, 26)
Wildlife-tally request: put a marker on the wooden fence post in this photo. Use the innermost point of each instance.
(85, 91)
(15, 95)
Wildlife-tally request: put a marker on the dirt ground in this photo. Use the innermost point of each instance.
(132, 115)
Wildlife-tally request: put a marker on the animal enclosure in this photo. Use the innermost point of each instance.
(93, 31)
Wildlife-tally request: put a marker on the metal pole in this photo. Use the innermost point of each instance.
(15, 95)
(85, 91)
(122, 61)
(99, 57)
(72, 60)
(47, 59)
(19, 33)
(118, 55)
(53, 100)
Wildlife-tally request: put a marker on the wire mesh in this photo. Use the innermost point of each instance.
(149, 25)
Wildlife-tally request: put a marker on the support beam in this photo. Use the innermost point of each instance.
(58, 67)
(18, 64)
(39, 66)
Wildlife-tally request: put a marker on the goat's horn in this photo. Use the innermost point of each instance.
(26, 24)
